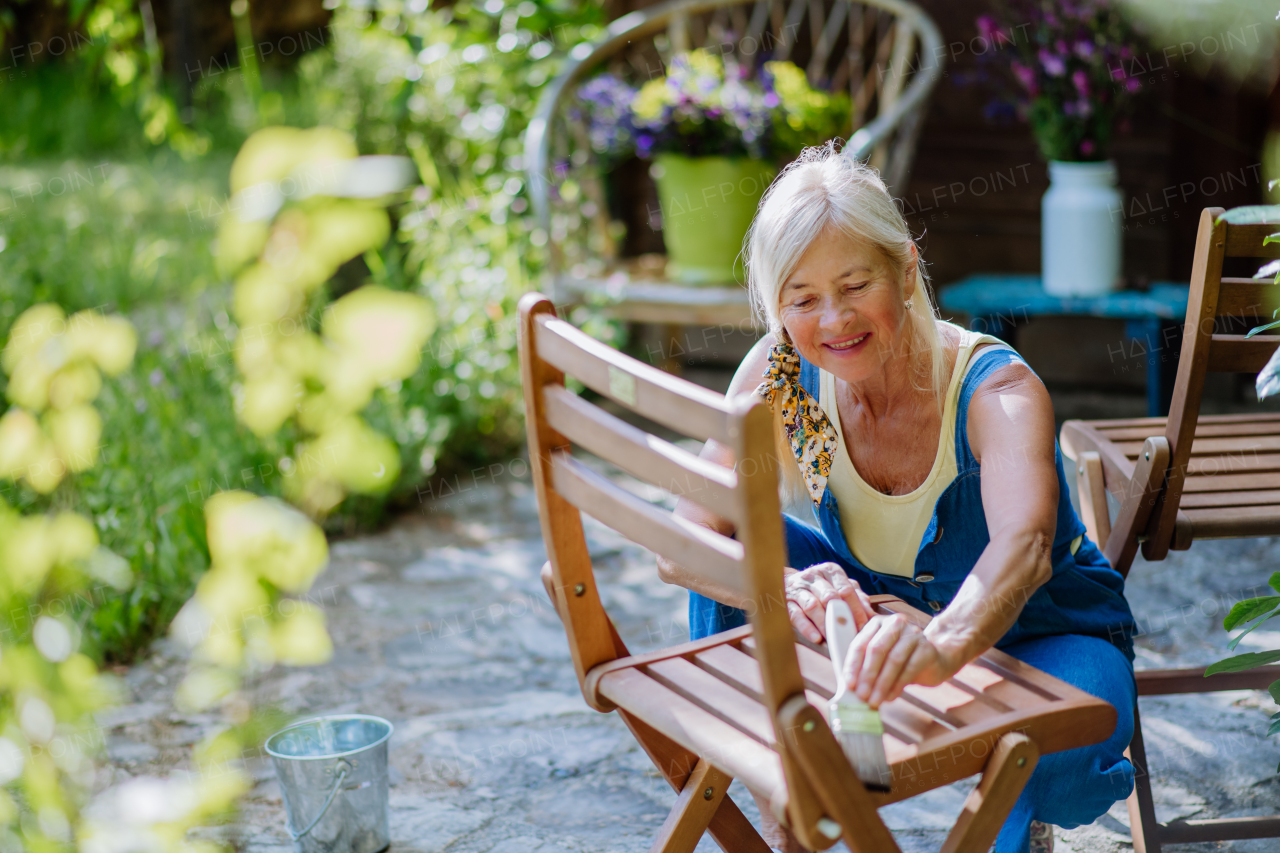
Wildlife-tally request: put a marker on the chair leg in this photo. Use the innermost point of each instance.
(841, 794)
(1142, 808)
(728, 826)
(697, 804)
(1140, 496)
(1093, 497)
(988, 805)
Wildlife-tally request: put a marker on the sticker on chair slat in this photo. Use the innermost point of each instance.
(622, 385)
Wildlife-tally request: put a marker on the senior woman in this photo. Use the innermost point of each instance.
(929, 457)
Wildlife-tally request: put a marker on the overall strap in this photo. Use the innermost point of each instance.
(809, 378)
(983, 363)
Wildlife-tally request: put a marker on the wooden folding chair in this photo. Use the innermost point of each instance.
(1189, 477)
(747, 703)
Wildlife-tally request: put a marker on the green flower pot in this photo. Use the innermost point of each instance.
(707, 205)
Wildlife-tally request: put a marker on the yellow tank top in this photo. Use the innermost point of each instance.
(884, 531)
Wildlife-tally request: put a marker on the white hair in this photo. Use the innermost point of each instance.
(825, 188)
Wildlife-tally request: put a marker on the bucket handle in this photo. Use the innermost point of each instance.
(344, 768)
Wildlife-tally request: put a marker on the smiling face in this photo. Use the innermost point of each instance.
(843, 307)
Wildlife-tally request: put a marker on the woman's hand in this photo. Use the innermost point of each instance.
(809, 591)
(891, 652)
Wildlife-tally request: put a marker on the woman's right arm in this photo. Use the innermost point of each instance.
(807, 591)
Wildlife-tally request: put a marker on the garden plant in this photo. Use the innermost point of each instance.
(185, 490)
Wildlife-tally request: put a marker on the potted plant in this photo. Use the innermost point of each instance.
(715, 137)
(1070, 81)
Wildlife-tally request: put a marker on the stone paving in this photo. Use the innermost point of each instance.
(440, 624)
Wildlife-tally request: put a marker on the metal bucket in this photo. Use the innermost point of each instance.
(333, 776)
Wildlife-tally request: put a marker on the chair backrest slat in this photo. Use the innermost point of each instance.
(790, 29)
(1238, 354)
(675, 403)
(1203, 351)
(642, 455)
(706, 554)
(1246, 241)
(827, 41)
(759, 20)
(1246, 297)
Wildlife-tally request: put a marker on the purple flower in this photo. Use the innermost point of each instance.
(1087, 147)
(1052, 64)
(989, 30)
(1133, 84)
(1025, 76)
(770, 99)
(1084, 49)
(1081, 81)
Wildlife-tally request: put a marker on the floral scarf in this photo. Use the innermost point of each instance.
(809, 432)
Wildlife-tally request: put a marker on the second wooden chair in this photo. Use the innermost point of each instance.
(1188, 477)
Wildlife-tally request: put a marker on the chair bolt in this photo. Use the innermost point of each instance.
(1147, 456)
(709, 793)
(1022, 762)
(808, 725)
(579, 589)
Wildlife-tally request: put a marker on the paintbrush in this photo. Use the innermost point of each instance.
(856, 726)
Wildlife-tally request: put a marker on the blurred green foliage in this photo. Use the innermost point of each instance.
(95, 212)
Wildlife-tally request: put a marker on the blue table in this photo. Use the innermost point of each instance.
(1153, 319)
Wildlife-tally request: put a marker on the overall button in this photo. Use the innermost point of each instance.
(938, 536)
(924, 578)
(935, 605)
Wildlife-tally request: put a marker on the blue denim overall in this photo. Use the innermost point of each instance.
(1077, 626)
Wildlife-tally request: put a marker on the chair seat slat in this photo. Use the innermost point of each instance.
(731, 665)
(1208, 466)
(659, 396)
(1234, 522)
(1270, 426)
(1216, 446)
(1203, 500)
(715, 697)
(1001, 692)
(1105, 426)
(709, 555)
(758, 766)
(1232, 483)
(642, 455)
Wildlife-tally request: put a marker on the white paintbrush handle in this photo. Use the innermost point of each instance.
(841, 629)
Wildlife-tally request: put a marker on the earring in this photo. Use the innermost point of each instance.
(907, 304)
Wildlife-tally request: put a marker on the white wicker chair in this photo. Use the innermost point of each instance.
(886, 53)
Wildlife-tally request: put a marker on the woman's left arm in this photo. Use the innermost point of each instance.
(1011, 432)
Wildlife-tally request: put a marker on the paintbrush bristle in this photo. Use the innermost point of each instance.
(860, 733)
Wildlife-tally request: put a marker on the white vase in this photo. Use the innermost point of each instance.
(1081, 219)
